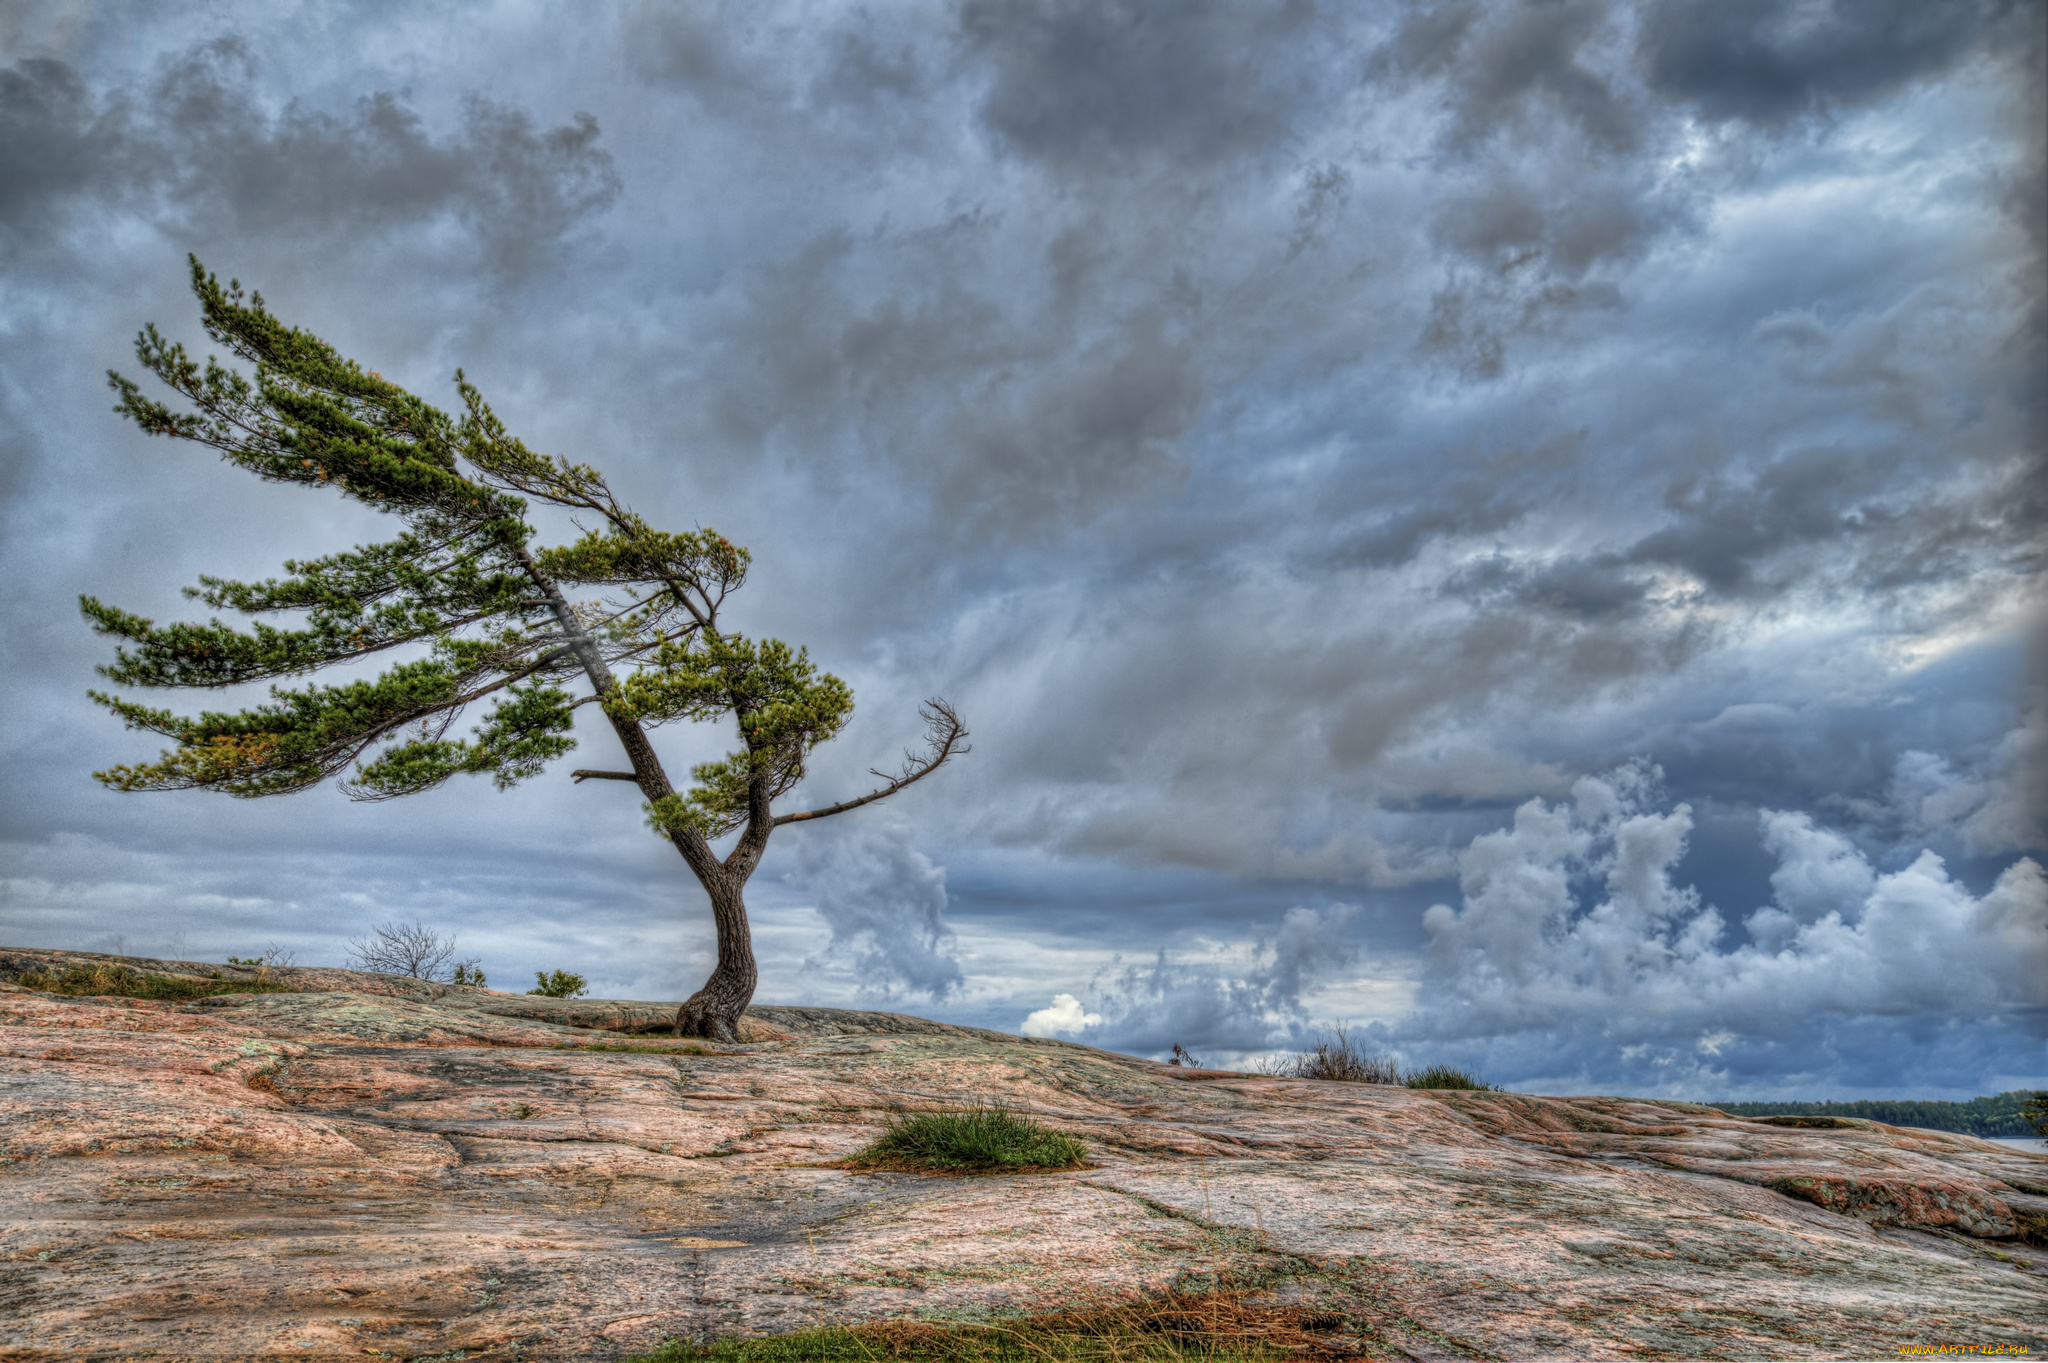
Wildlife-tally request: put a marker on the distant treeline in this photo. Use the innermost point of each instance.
(1998, 1116)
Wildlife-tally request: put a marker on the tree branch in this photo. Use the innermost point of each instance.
(943, 739)
(585, 774)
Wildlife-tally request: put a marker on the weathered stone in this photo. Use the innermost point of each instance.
(376, 1165)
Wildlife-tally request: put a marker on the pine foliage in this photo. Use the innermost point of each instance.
(461, 586)
(461, 609)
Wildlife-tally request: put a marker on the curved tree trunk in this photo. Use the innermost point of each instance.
(713, 1012)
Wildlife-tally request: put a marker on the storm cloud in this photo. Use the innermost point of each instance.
(1574, 936)
(193, 147)
(1318, 447)
(885, 903)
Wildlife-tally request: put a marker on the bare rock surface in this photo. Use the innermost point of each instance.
(380, 1167)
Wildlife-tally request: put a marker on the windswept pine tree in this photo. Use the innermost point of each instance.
(477, 613)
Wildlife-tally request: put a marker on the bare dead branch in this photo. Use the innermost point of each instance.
(585, 774)
(944, 737)
(403, 949)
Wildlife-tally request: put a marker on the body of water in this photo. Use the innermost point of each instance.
(2032, 1144)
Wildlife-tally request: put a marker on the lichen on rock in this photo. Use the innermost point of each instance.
(375, 1165)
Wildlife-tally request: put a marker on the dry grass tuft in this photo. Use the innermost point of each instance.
(102, 980)
(1338, 1056)
(1228, 1326)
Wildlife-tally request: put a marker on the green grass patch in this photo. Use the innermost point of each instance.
(118, 981)
(1444, 1077)
(1222, 1327)
(975, 1140)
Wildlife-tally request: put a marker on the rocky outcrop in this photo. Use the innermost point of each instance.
(1885, 1175)
(374, 1166)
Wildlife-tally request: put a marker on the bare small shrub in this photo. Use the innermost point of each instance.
(273, 956)
(1337, 1056)
(407, 949)
(1181, 1056)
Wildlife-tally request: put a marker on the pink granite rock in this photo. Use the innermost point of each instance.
(378, 1167)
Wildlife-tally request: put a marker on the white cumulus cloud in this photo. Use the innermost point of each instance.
(1573, 937)
(1065, 1015)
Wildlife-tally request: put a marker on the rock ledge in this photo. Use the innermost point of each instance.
(373, 1166)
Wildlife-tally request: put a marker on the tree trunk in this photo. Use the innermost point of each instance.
(713, 1012)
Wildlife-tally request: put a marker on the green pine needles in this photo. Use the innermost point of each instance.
(559, 984)
(470, 612)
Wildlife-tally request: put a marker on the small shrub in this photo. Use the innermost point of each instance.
(559, 984)
(975, 1140)
(406, 949)
(1338, 1056)
(468, 974)
(1444, 1077)
(104, 980)
(273, 955)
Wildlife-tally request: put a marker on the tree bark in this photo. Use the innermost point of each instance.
(713, 1012)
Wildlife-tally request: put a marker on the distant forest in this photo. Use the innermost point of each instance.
(1998, 1116)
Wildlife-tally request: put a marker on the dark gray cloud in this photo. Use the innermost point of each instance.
(863, 82)
(885, 903)
(1560, 169)
(1767, 61)
(694, 47)
(1001, 423)
(1505, 226)
(197, 149)
(1504, 66)
(1298, 436)
(1079, 85)
(53, 141)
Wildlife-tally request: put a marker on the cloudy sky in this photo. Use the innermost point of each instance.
(1513, 527)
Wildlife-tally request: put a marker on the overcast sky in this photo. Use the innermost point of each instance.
(1513, 527)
